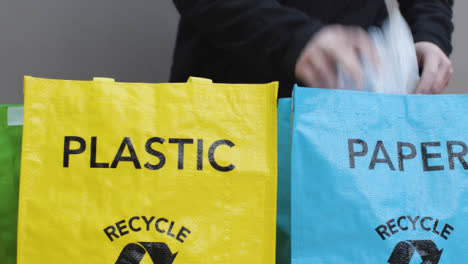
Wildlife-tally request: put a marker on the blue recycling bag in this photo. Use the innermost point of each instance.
(379, 178)
(283, 227)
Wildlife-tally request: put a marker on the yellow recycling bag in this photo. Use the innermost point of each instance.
(147, 173)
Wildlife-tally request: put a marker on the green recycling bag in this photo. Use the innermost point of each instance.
(11, 126)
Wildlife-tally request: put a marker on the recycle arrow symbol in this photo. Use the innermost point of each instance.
(404, 251)
(133, 253)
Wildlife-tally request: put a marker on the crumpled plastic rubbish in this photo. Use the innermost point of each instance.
(398, 71)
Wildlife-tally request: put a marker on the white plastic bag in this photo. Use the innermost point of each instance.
(398, 72)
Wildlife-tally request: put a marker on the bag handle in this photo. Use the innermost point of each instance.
(103, 79)
(15, 116)
(197, 81)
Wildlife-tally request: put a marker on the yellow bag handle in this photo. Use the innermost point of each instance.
(191, 80)
(103, 79)
(197, 80)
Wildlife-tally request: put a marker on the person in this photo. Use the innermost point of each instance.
(257, 41)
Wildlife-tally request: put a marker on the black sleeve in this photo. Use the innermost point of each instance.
(430, 20)
(264, 30)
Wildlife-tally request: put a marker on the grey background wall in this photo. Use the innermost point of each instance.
(130, 41)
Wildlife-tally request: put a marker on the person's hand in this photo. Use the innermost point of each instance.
(437, 68)
(332, 46)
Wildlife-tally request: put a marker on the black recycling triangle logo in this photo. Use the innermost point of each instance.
(133, 253)
(404, 251)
